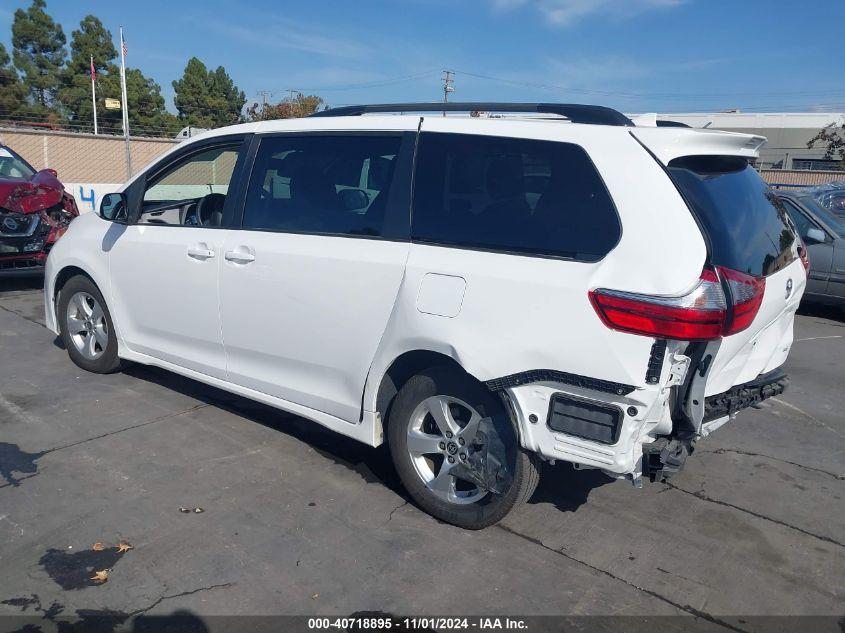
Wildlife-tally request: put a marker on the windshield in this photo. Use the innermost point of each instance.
(12, 166)
(747, 225)
(824, 215)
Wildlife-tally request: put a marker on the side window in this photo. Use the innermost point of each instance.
(801, 221)
(325, 184)
(193, 191)
(513, 195)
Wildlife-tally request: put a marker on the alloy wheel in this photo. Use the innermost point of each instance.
(440, 432)
(86, 325)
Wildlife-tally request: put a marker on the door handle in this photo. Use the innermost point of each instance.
(200, 251)
(239, 257)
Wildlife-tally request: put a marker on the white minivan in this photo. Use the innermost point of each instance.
(541, 282)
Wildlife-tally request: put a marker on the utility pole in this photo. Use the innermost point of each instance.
(292, 100)
(264, 94)
(448, 86)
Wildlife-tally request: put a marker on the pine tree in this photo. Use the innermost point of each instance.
(92, 39)
(147, 113)
(38, 44)
(12, 93)
(193, 95)
(232, 99)
(207, 98)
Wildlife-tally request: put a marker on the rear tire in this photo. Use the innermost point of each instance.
(415, 438)
(86, 326)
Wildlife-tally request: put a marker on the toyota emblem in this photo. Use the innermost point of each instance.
(10, 223)
(788, 288)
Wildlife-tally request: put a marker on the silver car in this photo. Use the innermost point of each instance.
(824, 235)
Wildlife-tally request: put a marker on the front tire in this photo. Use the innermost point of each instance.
(425, 429)
(86, 327)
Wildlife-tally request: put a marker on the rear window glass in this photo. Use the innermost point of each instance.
(747, 225)
(511, 195)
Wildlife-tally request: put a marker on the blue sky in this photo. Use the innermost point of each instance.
(636, 55)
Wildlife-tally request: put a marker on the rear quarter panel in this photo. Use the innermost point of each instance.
(520, 312)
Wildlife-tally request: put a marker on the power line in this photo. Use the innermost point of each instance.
(639, 95)
(368, 84)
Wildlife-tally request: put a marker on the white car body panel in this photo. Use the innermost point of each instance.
(313, 324)
(324, 301)
(157, 316)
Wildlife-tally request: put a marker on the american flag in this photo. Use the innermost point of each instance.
(93, 69)
(123, 45)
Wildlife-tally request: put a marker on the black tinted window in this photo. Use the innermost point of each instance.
(321, 184)
(747, 225)
(801, 221)
(831, 221)
(515, 195)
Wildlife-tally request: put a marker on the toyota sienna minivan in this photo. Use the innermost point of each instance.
(534, 282)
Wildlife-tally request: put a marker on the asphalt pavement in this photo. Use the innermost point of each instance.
(233, 508)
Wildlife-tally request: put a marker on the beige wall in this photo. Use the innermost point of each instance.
(799, 178)
(83, 157)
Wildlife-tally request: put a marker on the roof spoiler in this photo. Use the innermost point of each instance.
(574, 112)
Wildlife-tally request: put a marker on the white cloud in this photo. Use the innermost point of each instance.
(568, 12)
(288, 34)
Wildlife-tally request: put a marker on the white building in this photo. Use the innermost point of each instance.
(787, 132)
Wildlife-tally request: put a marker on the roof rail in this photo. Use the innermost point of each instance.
(575, 112)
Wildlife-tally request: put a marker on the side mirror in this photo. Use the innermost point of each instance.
(113, 207)
(50, 171)
(353, 199)
(814, 236)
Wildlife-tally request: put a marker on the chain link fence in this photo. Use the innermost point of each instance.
(84, 158)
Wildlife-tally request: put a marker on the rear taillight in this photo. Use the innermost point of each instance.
(699, 315)
(746, 296)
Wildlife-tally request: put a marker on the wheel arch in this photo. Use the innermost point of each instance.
(59, 280)
(66, 274)
(401, 369)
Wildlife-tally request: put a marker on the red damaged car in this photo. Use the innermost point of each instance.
(35, 211)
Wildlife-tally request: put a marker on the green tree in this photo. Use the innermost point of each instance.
(147, 113)
(38, 44)
(12, 93)
(230, 98)
(207, 98)
(289, 108)
(834, 137)
(92, 39)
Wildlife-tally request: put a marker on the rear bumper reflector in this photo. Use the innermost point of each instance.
(584, 418)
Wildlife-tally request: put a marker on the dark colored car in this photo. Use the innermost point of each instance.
(824, 235)
(35, 211)
(831, 196)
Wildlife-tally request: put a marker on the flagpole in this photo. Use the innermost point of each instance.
(125, 104)
(94, 93)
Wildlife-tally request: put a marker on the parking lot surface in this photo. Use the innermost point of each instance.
(295, 519)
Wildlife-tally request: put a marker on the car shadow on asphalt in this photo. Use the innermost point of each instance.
(833, 313)
(19, 284)
(33, 614)
(372, 463)
(560, 485)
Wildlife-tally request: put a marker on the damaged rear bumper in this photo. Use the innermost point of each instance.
(666, 457)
